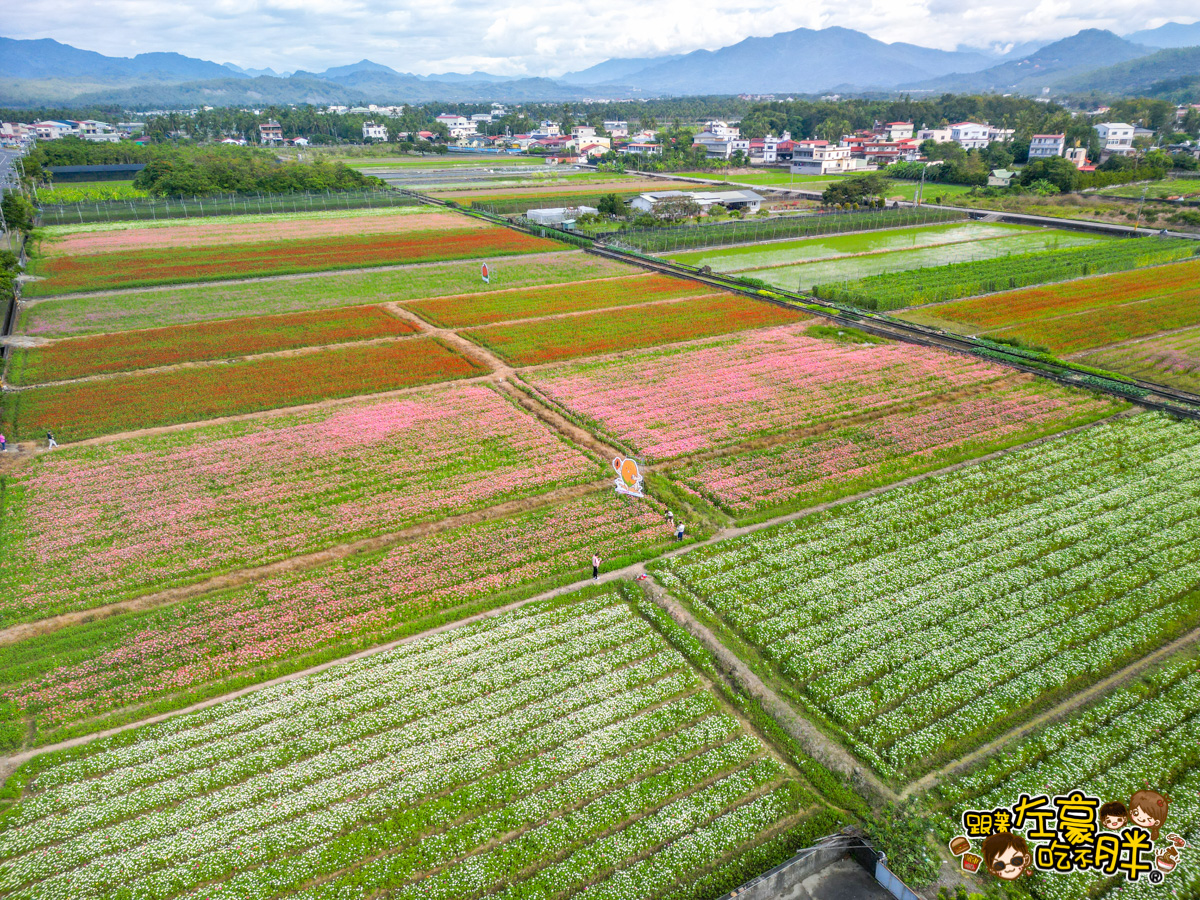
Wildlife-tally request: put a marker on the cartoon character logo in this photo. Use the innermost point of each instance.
(1006, 855)
(1149, 810)
(629, 478)
(1113, 816)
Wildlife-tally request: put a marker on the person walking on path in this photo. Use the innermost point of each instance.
(51, 443)
(3, 443)
(595, 567)
(679, 532)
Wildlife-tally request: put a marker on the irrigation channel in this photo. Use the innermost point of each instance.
(1144, 393)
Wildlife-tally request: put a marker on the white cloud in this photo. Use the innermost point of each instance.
(546, 38)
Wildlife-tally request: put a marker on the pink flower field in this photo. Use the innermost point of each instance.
(890, 448)
(221, 233)
(365, 601)
(92, 524)
(667, 403)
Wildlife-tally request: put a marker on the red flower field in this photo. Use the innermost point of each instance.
(129, 403)
(139, 268)
(104, 353)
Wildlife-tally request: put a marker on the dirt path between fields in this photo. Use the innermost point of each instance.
(1055, 713)
(823, 749)
(258, 279)
(805, 731)
(499, 368)
(303, 562)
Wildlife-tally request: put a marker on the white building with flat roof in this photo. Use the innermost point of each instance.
(373, 131)
(1043, 146)
(1117, 137)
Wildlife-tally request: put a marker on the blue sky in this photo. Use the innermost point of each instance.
(545, 38)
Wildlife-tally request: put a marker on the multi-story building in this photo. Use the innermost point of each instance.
(938, 135)
(971, 135)
(458, 126)
(270, 132)
(720, 146)
(820, 158)
(374, 132)
(1043, 146)
(1117, 137)
(898, 131)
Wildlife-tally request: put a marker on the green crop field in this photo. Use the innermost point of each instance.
(805, 275)
(175, 306)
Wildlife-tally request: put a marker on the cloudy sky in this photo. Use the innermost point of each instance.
(547, 38)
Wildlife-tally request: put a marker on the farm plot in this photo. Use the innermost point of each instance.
(1145, 733)
(83, 191)
(627, 328)
(173, 265)
(87, 240)
(1083, 314)
(1171, 359)
(955, 281)
(558, 750)
(504, 306)
(79, 410)
(753, 256)
(172, 656)
(805, 275)
(715, 394)
(129, 350)
(176, 306)
(88, 525)
(990, 592)
(797, 473)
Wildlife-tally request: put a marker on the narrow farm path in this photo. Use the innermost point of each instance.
(470, 349)
(328, 273)
(1054, 713)
(823, 749)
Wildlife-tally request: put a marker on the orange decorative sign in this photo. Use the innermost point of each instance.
(486, 275)
(629, 478)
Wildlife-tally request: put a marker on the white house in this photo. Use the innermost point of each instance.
(616, 128)
(374, 132)
(1043, 146)
(1117, 137)
(563, 215)
(481, 117)
(643, 148)
(899, 131)
(971, 135)
(820, 158)
(458, 126)
(746, 200)
(270, 132)
(770, 146)
(583, 133)
(546, 130)
(718, 146)
(722, 129)
(51, 129)
(939, 135)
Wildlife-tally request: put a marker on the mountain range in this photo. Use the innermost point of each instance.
(799, 62)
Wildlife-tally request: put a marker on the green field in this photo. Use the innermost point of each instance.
(1187, 188)
(175, 306)
(753, 256)
(804, 276)
(83, 191)
(450, 161)
(784, 178)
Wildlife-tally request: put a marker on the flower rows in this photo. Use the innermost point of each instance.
(244, 230)
(88, 525)
(169, 265)
(501, 306)
(923, 619)
(213, 340)
(132, 659)
(668, 403)
(903, 443)
(1172, 359)
(1146, 733)
(554, 747)
(79, 410)
(627, 328)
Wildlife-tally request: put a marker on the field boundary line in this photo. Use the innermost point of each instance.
(329, 273)
(300, 563)
(1053, 714)
(584, 312)
(470, 349)
(1027, 323)
(820, 747)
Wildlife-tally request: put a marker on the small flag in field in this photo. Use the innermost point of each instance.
(483, 271)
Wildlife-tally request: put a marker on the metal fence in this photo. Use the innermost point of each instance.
(746, 231)
(217, 205)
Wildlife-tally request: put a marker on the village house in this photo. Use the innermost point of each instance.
(270, 132)
(1044, 146)
(372, 131)
(1117, 138)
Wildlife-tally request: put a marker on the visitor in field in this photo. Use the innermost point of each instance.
(3, 443)
(679, 531)
(670, 517)
(51, 443)
(595, 567)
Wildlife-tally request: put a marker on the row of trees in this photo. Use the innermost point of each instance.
(244, 170)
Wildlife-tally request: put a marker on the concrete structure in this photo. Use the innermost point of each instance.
(642, 148)
(744, 200)
(820, 158)
(51, 129)
(718, 146)
(458, 126)
(374, 132)
(939, 135)
(1117, 137)
(722, 129)
(616, 128)
(1000, 178)
(563, 215)
(1077, 155)
(1043, 146)
(270, 132)
(898, 131)
(970, 135)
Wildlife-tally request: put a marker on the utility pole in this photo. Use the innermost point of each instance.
(1137, 223)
